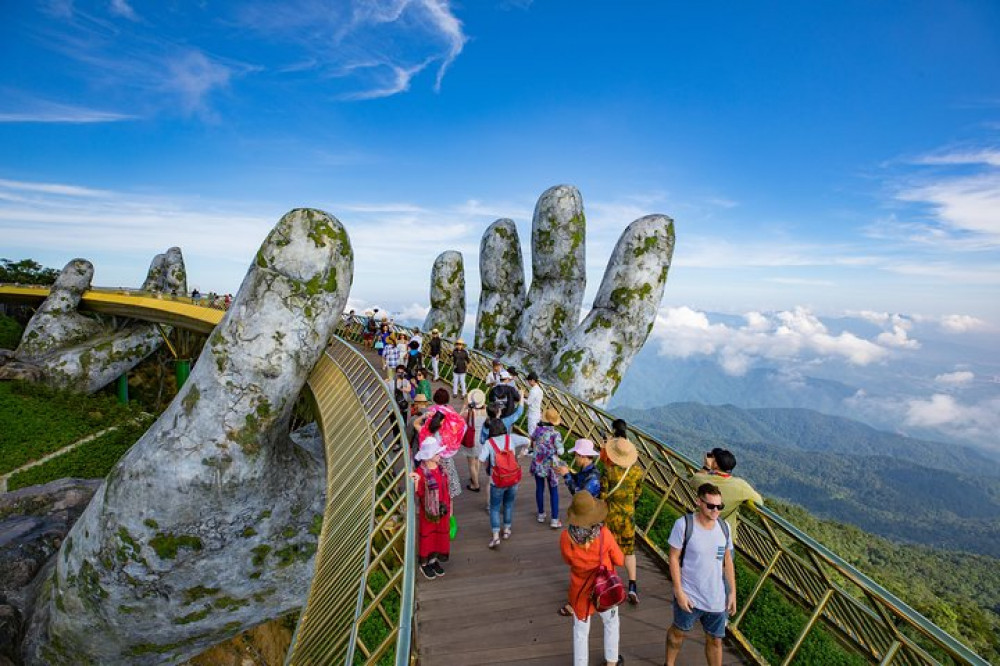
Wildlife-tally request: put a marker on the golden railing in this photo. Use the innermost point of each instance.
(862, 615)
(360, 605)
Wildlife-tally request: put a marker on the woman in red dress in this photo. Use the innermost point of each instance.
(433, 505)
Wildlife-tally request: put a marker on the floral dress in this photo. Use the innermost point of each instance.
(548, 447)
(621, 502)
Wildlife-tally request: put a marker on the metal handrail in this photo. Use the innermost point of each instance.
(360, 604)
(861, 613)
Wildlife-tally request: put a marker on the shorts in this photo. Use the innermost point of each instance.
(714, 624)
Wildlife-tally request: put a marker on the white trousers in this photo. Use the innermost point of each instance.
(456, 381)
(534, 418)
(434, 364)
(581, 638)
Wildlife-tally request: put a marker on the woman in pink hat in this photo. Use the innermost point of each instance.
(587, 478)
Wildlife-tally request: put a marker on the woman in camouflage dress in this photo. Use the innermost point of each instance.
(621, 484)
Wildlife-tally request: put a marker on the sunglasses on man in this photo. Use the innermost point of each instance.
(713, 507)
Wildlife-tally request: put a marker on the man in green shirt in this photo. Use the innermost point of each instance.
(718, 470)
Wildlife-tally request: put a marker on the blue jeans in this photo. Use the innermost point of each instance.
(505, 496)
(509, 421)
(714, 624)
(540, 484)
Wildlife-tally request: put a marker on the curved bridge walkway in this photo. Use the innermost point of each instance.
(500, 606)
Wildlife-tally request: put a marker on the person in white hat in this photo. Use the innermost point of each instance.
(430, 485)
(587, 478)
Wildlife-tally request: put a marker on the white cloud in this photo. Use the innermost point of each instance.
(958, 378)
(58, 113)
(193, 76)
(792, 335)
(957, 323)
(124, 9)
(898, 337)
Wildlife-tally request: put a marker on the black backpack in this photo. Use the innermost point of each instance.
(401, 401)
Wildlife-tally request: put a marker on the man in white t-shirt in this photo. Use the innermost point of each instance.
(534, 403)
(700, 591)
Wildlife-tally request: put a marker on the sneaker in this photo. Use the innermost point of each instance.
(438, 569)
(555, 524)
(494, 542)
(428, 571)
(541, 517)
(633, 594)
(506, 533)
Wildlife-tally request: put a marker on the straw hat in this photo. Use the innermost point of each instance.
(551, 415)
(460, 341)
(477, 398)
(585, 511)
(421, 399)
(585, 447)
(435, 332)
(621, 451)
(431, 447)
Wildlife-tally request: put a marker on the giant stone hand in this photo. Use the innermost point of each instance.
(542, 331)
(203, 529)
(80, 352)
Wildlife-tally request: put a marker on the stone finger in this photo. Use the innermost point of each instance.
(592, 362)
(558, 277)
(57, 323)
(501, 300)
(447, 313)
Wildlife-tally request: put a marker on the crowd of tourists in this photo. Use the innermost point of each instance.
(604, 482)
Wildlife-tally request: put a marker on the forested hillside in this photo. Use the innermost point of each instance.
(905, 489)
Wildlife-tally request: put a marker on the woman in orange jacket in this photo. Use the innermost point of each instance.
(586, 544)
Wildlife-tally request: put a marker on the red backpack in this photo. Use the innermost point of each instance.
(609, 590)
(506, 471)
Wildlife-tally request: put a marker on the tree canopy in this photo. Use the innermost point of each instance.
(26, 271)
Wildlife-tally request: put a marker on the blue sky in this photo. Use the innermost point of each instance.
(818, 158)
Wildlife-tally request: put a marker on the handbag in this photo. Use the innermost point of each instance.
(609, 591)
(469, 438)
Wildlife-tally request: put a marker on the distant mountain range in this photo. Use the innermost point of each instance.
(908, 489)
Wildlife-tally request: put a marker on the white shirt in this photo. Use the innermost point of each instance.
(419, 340)
(701, 575)
(534, 401)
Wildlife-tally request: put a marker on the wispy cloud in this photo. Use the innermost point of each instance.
(124, 9)
(63, 114)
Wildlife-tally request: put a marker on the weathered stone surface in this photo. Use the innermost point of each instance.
(33, 523)
(207, 526)
(558, 280)
(447, 295)
(57, 324)
(167, 273)
(501, 301)
(592, 361)
(80, 353)
(19, 370)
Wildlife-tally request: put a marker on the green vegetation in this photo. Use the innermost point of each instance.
(375, 629)
(10, 332)
(26, 271)
(38, 420)
(166, 545)
(92, 460)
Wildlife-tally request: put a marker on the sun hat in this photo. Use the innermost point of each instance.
(460, 341)
(621, 451)
(585, 447)
(504, 375)
(434, 331)
(421, 398)
(477, 398)
(586, 511)
(429, 448)
(551, 415)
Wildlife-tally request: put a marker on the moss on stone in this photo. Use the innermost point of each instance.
(289, 532)
(260, 554)
(230, 603)
(193, 617)
(127, 610)
(567, 368)
(622, 297)
(649, 243)
(193, 594)
(166, 545)
(296, 552)
(600, 321)
(264, 514)
(248, 532)
(149, 522)
(316, 526)
(191, 399)
(262, 596)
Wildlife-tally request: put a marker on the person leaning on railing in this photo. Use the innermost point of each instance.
(718, 470)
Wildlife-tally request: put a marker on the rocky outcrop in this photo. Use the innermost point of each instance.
(558, 277)
(207, 526)
(501, 300)
(33, 523)
(80, 352)
(447, 312)
(592, 361)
